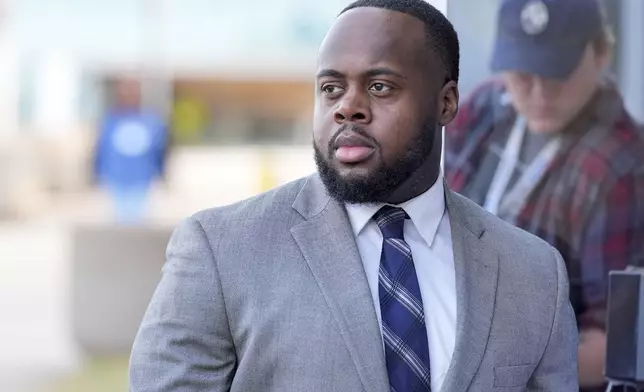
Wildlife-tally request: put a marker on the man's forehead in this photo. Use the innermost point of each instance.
(373, 35)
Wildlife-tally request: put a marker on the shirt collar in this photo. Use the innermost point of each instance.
(425, 210)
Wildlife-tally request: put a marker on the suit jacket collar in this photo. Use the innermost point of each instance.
(477, 268)
(326, 241)
(328, 245)
(313, 199)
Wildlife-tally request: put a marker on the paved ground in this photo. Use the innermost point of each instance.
(34, 330)
(36, 346)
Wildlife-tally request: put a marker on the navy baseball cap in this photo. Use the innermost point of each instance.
(545, 37)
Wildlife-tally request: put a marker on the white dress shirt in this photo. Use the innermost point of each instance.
(428, 234)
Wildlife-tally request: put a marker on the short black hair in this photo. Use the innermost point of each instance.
(441, 36)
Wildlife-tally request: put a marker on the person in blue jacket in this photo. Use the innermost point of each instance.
(130, 153)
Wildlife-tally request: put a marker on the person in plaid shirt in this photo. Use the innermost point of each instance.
(548, 145)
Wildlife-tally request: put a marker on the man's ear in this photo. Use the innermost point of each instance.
(603, 58)
(448, 103)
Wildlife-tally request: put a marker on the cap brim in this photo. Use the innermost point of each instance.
(556, 60)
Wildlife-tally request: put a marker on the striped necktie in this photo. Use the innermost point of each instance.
(401, 305)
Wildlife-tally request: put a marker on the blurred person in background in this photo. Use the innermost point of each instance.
(131, 152)
(370, 275)
(548, 146)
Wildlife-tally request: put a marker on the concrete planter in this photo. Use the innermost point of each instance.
(114, 273)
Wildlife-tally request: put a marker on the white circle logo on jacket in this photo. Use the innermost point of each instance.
(132, 138)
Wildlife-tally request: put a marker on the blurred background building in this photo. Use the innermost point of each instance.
(227, 75)
(234, 80)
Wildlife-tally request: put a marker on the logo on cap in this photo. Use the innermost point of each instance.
(534, 17)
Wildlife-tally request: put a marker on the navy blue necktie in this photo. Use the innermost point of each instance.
(401, 305)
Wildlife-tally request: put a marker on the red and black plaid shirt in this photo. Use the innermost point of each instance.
(589, 204)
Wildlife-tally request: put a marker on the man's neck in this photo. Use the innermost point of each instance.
(418, 183)
(588, 111)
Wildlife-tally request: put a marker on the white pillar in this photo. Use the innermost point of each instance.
(632, 52)
(57, 93)
(9, 71)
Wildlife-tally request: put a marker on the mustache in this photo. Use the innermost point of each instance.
(355, 129)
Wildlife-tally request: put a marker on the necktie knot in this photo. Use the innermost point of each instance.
(391, 221)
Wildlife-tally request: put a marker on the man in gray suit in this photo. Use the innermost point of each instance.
(371, 275)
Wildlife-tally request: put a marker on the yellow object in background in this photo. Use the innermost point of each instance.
(267, 180)
(189, 119)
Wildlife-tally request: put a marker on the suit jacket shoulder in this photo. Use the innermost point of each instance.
(266, 209)
(520, 252)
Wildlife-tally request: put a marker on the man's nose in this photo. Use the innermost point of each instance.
(545, 88)
(353, 107)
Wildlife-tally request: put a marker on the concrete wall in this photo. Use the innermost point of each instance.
(114, 273)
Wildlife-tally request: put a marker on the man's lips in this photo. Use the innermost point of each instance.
(351, 148)
(353, 154)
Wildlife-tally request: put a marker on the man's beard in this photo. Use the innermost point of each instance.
(382, 180)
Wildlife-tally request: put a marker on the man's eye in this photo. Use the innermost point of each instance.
(330, 89)
(380, 87)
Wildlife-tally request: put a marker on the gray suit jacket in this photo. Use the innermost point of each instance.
(270, 295)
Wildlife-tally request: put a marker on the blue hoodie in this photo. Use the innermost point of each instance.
(131, 148)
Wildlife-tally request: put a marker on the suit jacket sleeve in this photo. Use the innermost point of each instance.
(184, 342)
(557, 370)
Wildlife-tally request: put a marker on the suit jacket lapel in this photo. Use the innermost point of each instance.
(476, 265)
(327, 243)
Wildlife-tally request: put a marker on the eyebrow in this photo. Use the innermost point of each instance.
(332, 73)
